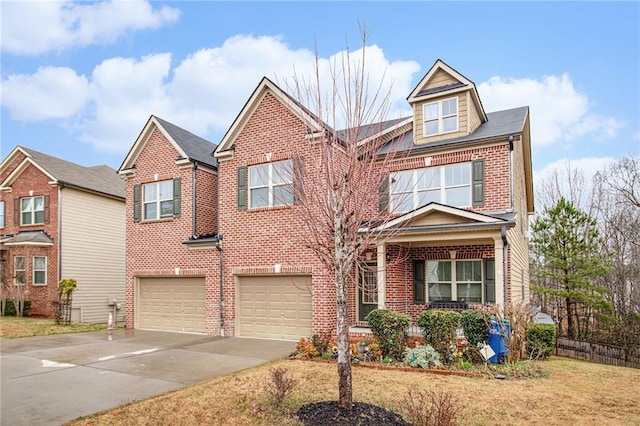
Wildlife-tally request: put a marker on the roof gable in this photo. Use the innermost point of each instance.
(189, 146)
(267, 86)
(102, 179)
(442, 79)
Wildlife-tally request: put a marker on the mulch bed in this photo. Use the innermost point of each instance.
(362, 414)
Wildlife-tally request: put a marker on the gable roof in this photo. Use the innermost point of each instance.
(190, 147)
(28, 238)
(462, 83)
(267, 86)
(102, 179)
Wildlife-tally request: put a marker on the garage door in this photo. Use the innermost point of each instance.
(274, 306)
(171, 304)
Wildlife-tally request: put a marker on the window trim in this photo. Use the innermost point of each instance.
(363, 283)
(157, 201)
(454, 282)
(33, 211)
(270, 186)
(3, 217)
(15, 270)
(441, 117)
(34, 270)
(414, 191)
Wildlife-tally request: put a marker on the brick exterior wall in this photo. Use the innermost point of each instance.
(155, 248)
(32, 182)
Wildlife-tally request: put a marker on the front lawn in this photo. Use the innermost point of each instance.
(14, 327)
(574, 392)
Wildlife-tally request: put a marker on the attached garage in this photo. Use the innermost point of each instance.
(276, 307)
(171, 304)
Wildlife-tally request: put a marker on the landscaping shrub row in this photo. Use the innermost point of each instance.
(10, 309)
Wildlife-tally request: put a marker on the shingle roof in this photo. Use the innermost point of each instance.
(499, 123)
(28, 237)
(367, 130)
(196, 148)
(102, 178)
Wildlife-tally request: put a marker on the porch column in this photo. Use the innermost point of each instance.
(382, 276)
(498, 245)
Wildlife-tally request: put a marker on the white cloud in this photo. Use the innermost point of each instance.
(35, 27)
(559, 112)
(202, 94)
(48, 93)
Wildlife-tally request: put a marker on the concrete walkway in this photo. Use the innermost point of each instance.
(54, 379)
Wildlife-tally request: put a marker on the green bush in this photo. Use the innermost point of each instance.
(476, 326)
(10, 309)
(439, 330)
(390, 329)
(422, 356)
(541, 340)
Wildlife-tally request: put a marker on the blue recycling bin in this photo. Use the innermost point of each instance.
(499, 332)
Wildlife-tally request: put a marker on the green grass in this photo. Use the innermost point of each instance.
(15, 327)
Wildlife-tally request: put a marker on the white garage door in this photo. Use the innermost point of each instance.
(277, 307)
(171, 304)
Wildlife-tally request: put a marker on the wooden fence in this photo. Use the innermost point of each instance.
(596, 352)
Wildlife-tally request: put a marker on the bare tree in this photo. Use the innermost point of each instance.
(336, 189)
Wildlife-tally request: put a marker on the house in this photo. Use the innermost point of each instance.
(172, 222)
(459, 190)
(62, 220)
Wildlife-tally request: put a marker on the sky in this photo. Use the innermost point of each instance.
(80, 79)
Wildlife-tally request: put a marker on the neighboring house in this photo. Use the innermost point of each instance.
(172, 261)
(460, 190)
(62, 220)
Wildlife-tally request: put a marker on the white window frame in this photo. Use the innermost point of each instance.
(454, 279)
(440, 118)
(2, 214)
(368, 284)
(23, 270)
(34, 270)
(157, 200)
(32, 211)
(272, 182)
(415, 191)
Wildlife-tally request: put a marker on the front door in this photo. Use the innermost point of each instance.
(367, 290)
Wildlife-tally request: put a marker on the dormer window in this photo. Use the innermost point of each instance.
(440, 117)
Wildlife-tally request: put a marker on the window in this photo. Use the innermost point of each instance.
(1, 214)
(19, 266)
(440, 117)
(369, 284)
(450, 184)
(32, 210)
(39, 270)
(455, 280)
(271, 184)
(158, 200)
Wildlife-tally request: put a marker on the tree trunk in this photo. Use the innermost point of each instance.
(345, 388)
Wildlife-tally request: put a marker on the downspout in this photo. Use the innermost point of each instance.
(219, 247)
(511, 171)
(505, 272)
(193, 200)
(59, 255)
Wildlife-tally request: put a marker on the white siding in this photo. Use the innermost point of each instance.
(93, 247)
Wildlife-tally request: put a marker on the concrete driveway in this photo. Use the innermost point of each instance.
(54, 379)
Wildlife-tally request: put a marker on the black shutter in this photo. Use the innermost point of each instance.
(418, 282)
(242, 188)
(383, 196)
(176, 197)
(46, 209)
(478, 182)
(16, 211)
(136, 203)
(490, 280)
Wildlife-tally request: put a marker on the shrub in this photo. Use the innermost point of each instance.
(390, 329)
(305, 348)
(439, 330)
(424, 408)
(10, 309)
(422, 356)
(281, 385)
(541, 340)
(476, 326)
(321, 342)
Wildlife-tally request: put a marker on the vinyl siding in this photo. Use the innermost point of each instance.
(440, 78)
(93, 252)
